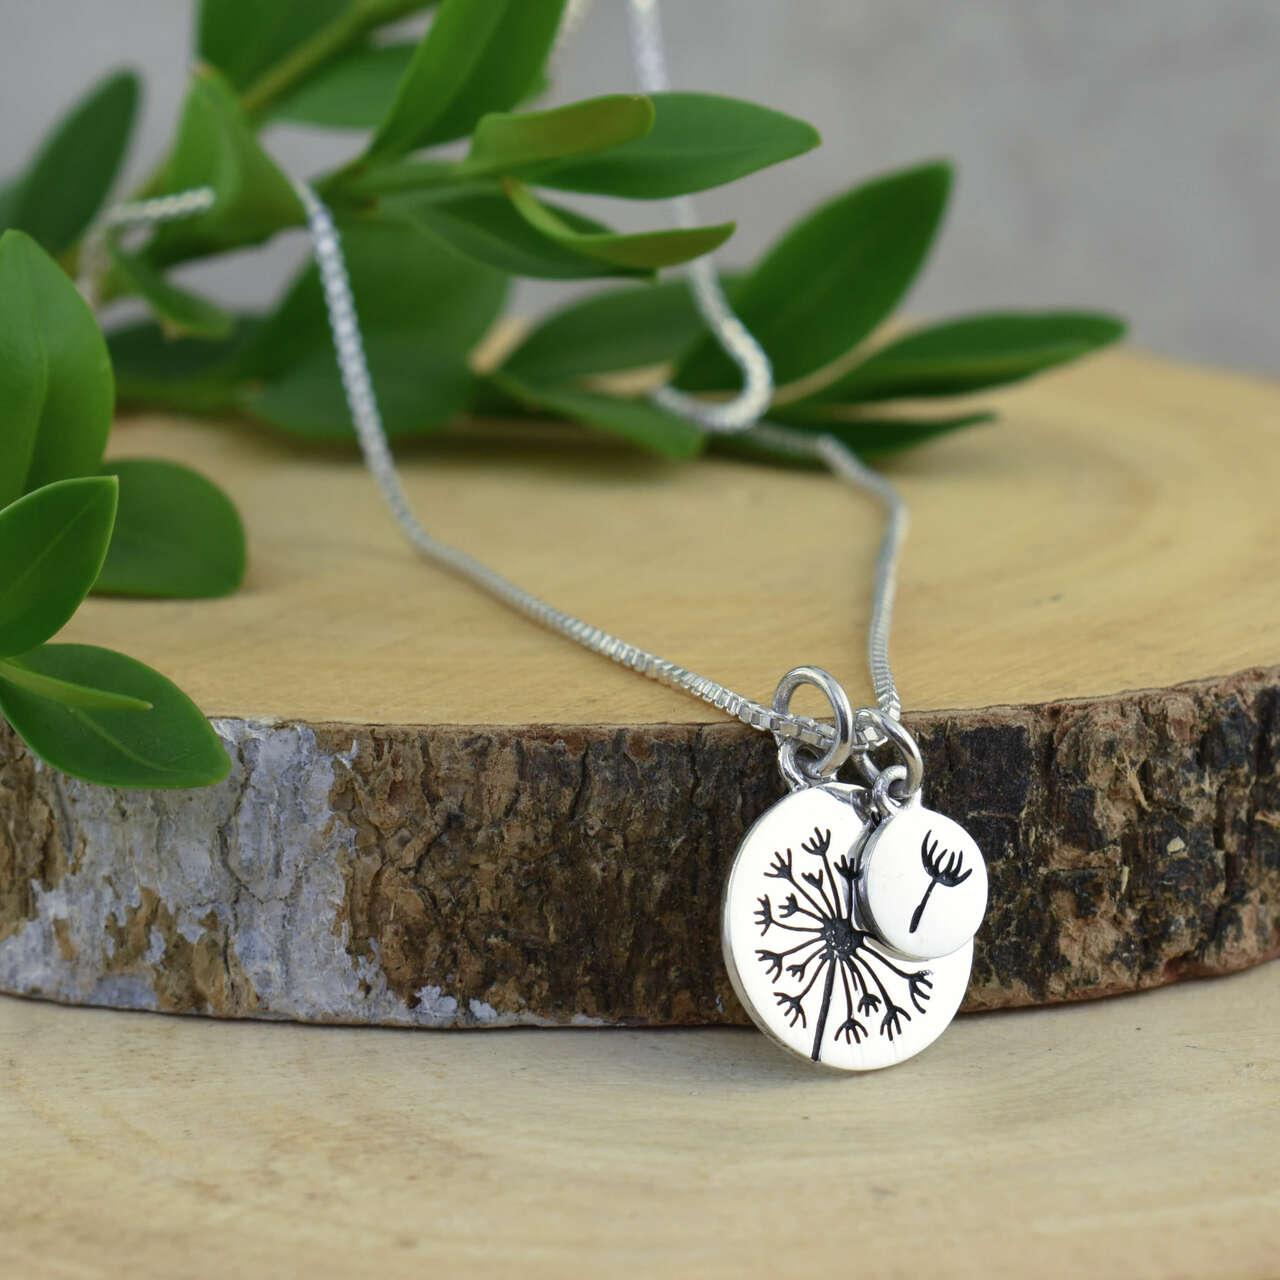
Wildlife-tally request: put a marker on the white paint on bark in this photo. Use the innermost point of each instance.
(261, 855)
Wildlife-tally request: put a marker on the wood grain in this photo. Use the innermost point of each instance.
(1132, 1137)
(440, 815)
(1116, 531)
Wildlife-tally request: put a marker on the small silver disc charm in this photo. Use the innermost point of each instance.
(923, 883)
(802, 957)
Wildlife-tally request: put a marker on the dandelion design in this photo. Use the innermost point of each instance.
(943, 868)
(813, 909)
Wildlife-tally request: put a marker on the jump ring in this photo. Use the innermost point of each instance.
(798, 770)
(794, 772)
(893, 731)
(882, 796)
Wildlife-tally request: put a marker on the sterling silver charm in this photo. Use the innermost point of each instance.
(923, 883)
(800, 956)
(816, 971)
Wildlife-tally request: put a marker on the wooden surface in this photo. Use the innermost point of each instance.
(440, 815)
(1116, 531)
(1137, 1137)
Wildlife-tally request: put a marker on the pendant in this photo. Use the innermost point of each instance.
(849, 914)
(923, 883)
(803, 957)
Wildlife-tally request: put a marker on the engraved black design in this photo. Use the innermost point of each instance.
(944, 869)
(818, 904)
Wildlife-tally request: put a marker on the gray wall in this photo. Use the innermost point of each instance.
(1118, 153)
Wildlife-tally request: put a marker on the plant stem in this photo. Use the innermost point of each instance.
(191, 395)
(336, 38)
(341, 34)
(406, 177)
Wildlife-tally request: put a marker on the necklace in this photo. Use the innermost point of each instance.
(836, 937)
(850, 908)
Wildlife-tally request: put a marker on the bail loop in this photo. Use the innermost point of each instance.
(799, 766)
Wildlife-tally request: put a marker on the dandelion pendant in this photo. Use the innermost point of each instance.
(923, 887)
(802, 954)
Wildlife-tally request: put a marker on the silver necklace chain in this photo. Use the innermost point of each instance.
(739, 416)
(362, 401)
(735, 339)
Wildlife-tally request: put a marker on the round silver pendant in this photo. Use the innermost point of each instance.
(803, 958)
(923, 883)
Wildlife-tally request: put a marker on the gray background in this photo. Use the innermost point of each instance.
(1114, 153)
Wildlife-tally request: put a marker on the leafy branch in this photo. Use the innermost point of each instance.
(71, 524)
(328, 43)
(460, 228)
(88, 711)
(433, 240)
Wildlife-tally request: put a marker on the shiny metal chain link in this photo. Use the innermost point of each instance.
(95, 259)
(751, 403)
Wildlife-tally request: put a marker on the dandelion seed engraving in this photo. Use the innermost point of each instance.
(820, 900)
(944, 869)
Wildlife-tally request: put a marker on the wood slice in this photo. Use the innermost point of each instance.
(441, 814)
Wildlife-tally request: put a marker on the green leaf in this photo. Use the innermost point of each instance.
(641, 251)
(14, 671)
(697, 141)
(867, 436)
(538, 88)
(434, 178)
(478, 56)
(52, 544)
(242, 38)
(182, 314)
(517, 145)
(419, 389)
(972, 353)
(10, 193)
(171, 745)
(195, 375)
(832, 278)
(216, 148)
(56, 387)
(636, 421)
(356, 92)
(177, 535)
(618, 329)
(69, 178)
(487, 227)
(423, 307)
(405, 280)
